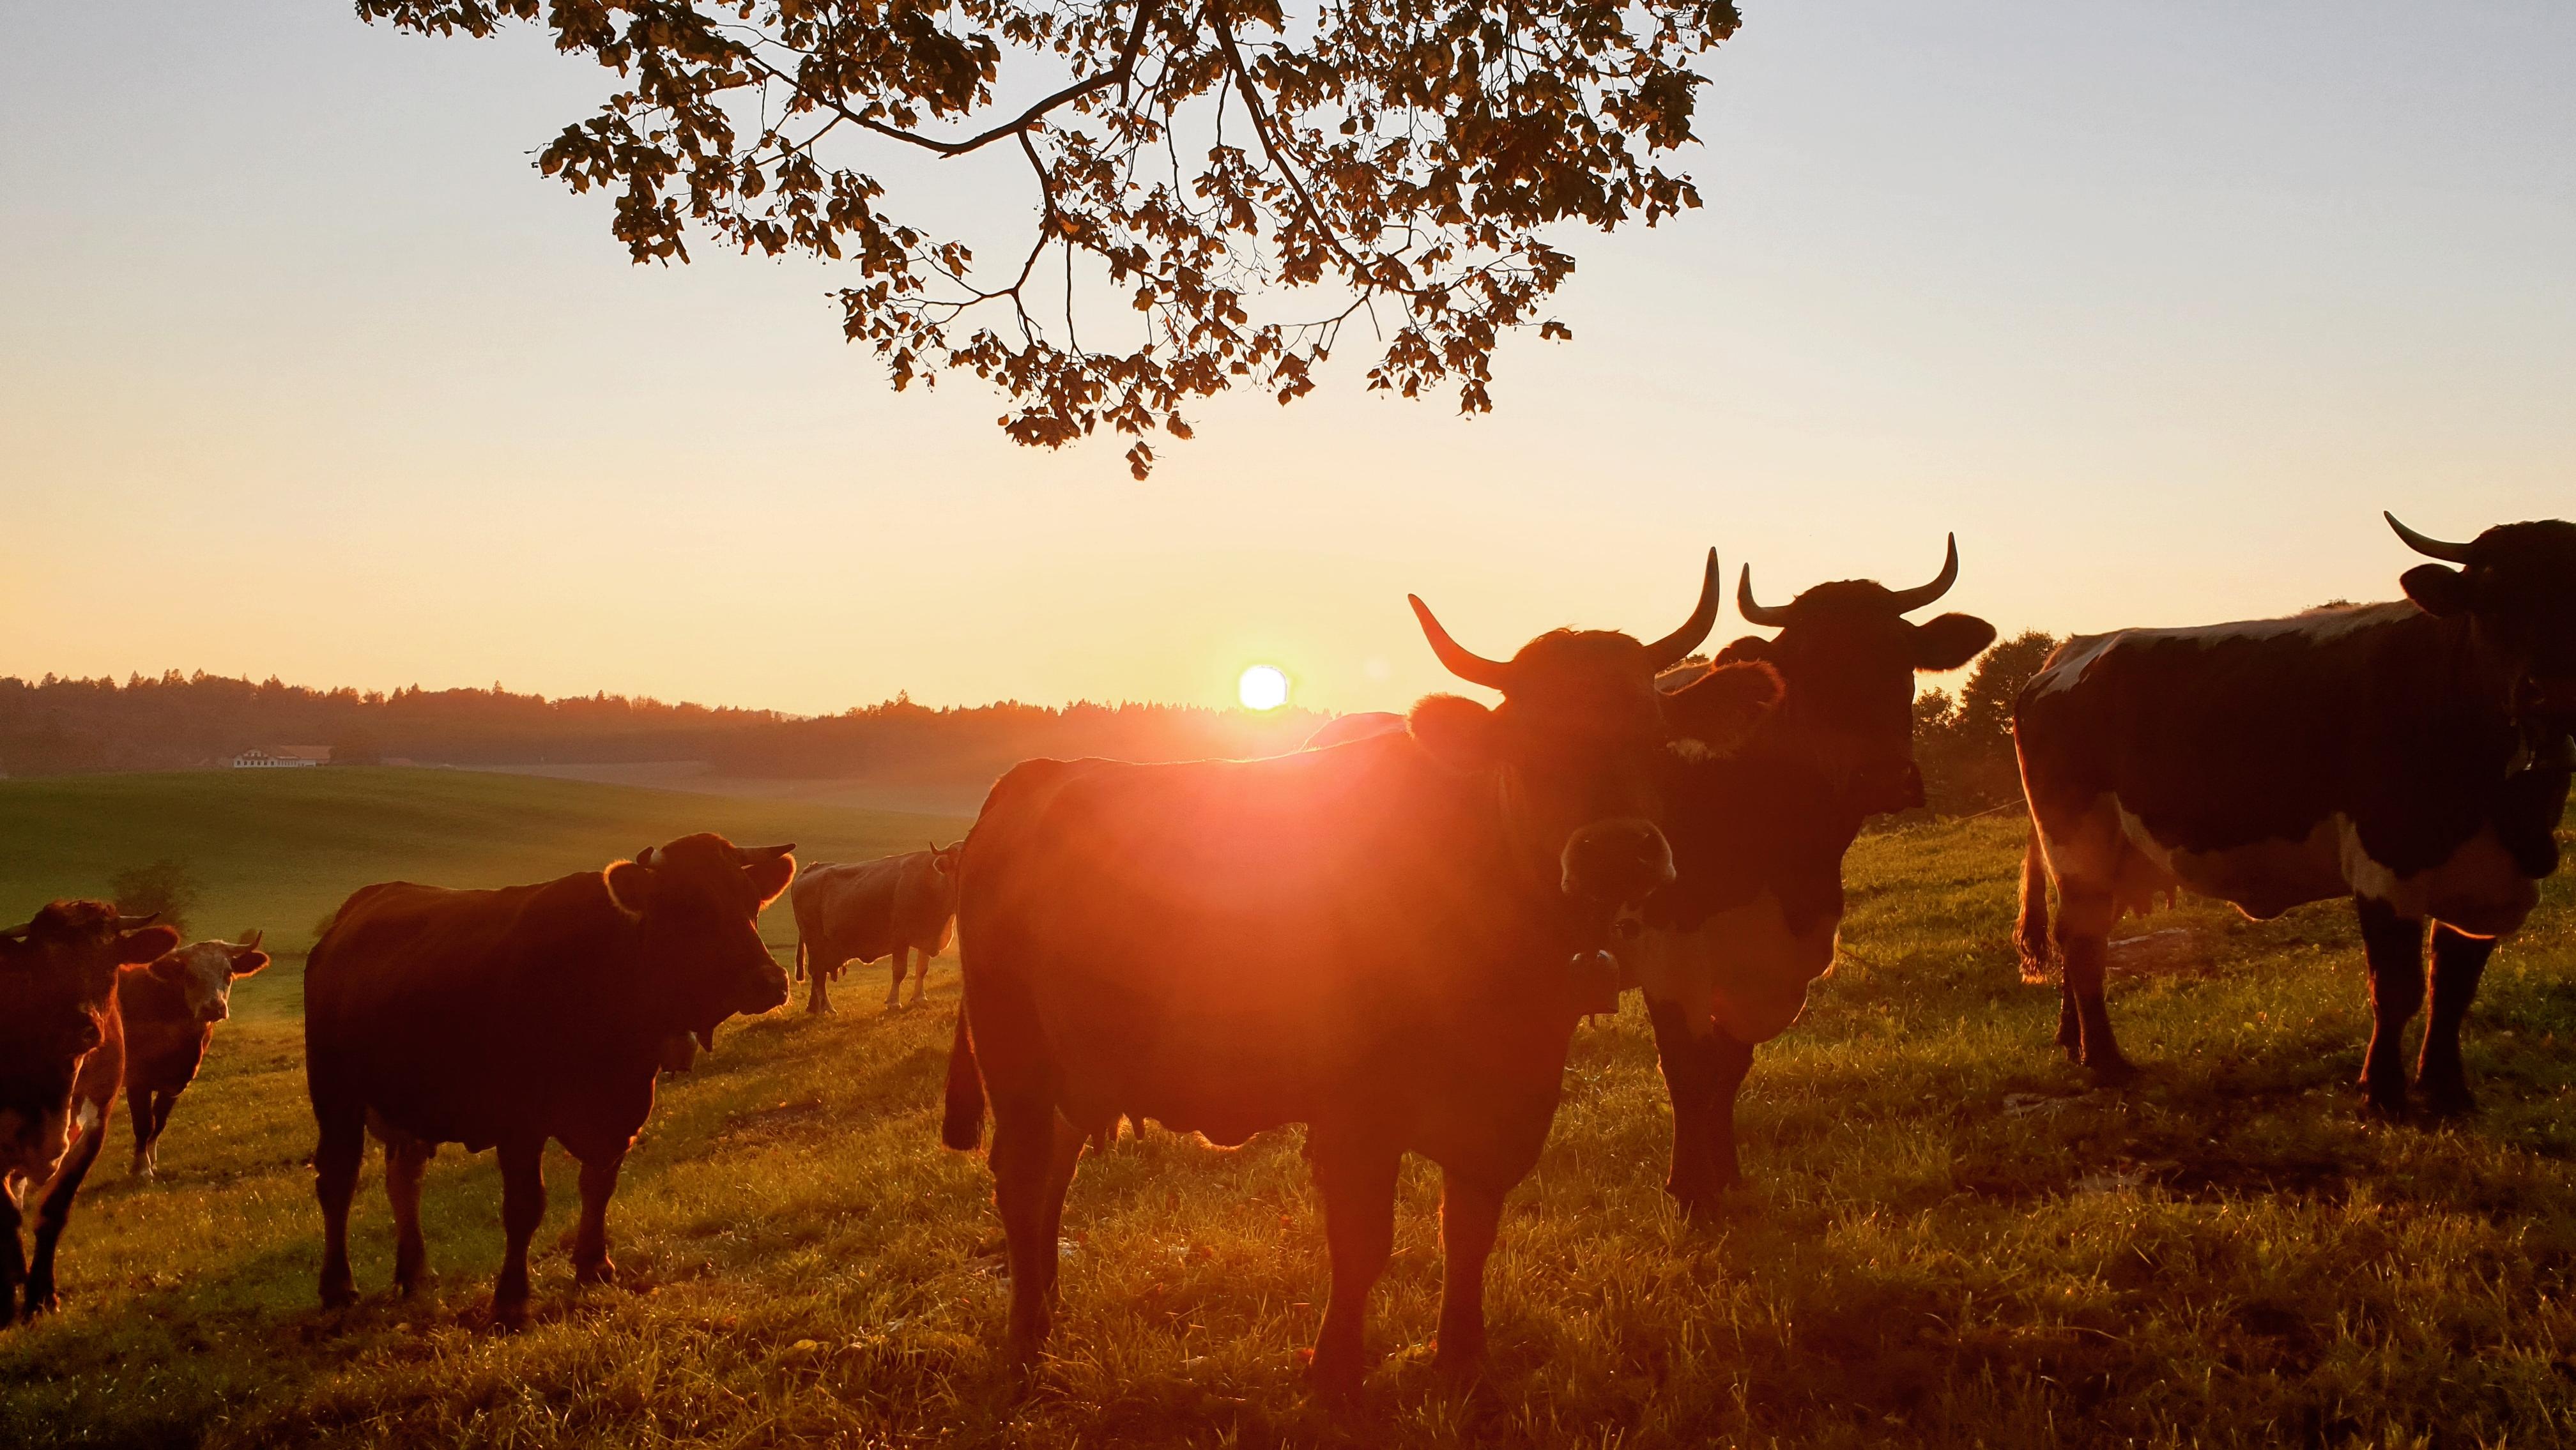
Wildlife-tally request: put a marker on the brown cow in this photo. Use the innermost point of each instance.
(1389, 941)
(62, 1051)
(505, 1018)
(1758, 840)
(862, 910)
(170, 1010)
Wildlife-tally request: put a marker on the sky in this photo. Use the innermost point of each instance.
(306, 372)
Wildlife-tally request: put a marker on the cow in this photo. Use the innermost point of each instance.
(502, 1018)
(1752, 917)
(62, 1051)
(863, 910)
(170, 1010)
(2413, 756)
(1389, 941)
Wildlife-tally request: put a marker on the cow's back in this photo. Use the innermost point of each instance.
(848, 907)
(1225, 946)
(457, 1015)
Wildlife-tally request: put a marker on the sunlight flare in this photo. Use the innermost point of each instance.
(1263, 687)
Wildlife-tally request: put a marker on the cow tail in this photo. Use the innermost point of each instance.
(963, 1128)
(2030, 933)
(800, 958)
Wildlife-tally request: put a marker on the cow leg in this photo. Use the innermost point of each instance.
(1471, 1214)
(920, 973)
(139, 1105)
(2394, 947)
(590, 1263)
(162, 1103)
(54, 1210)
(523, 1207)
(818, 997)
(1031, 1201)
(13, 1262)
(2083, 930)
(1357, 1182)
(1690, 1079)
(406, 1163)
(894, 989)
(336, 1158)
(2458, 961)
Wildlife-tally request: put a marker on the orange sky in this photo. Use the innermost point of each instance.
(307, 373)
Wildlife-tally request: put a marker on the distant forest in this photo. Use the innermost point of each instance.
(184, 722)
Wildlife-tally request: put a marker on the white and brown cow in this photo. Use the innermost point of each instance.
(894, 907)
(170, 1010)
(2414, 756)
(62, 1053)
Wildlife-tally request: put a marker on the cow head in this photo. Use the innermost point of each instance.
(204, 973)
(697, 903)
(1849, 656)
(1577, 744)
(58, 972)
(2516, 584)
(944, 863)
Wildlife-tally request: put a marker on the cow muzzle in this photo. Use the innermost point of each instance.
(1616, 863)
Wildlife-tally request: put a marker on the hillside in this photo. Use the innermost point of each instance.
(279, 848)
(1949, 1240)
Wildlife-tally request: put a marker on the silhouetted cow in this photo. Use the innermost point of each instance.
(62, 1051)
(1389, 941)
(863, 910)
(505, 1018)
(1758, 837)
(170, 1010)
(2414, 756)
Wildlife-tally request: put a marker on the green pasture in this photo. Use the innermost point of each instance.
(1949, 1240)
(277, 849)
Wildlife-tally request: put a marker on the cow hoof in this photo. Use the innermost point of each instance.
(2447, 1099)
(1336, 1378)
(42, 1301)
(339, 1296)
(510, 1316)
(587, 1275)
(2112, 1071)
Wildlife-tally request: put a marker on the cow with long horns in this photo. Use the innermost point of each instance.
(501, 1019)
(62, 1054)
(2414, 756)
(1750, 920)
(1389, 940)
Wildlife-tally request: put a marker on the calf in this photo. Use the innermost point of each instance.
(862, 910)
(170, 1010)
(62, 1051)
(501, 1019)
(2413, 756)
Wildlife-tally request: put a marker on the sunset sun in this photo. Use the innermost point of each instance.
(1263, 687)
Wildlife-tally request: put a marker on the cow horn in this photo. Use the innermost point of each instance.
(750, 851)
(1456, 658)
(1909, 600)
(135, 923)
(1753, 612)
(251, 938)
(644, 858)
(2428, 547)
(1667, 652)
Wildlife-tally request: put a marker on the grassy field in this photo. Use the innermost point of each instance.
(277, 849)
(1949, 1241)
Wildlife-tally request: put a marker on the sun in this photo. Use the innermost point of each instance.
(1263, 687)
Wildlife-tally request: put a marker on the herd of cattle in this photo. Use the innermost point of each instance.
(1391, 935)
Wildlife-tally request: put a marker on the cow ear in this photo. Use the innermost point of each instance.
(248, 960)
(1749, 647)
(1723, 708)
(2438, 591)
(137, 947)
(630, 886)
(1458, 732)
(1950, 641)
(769, 875)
